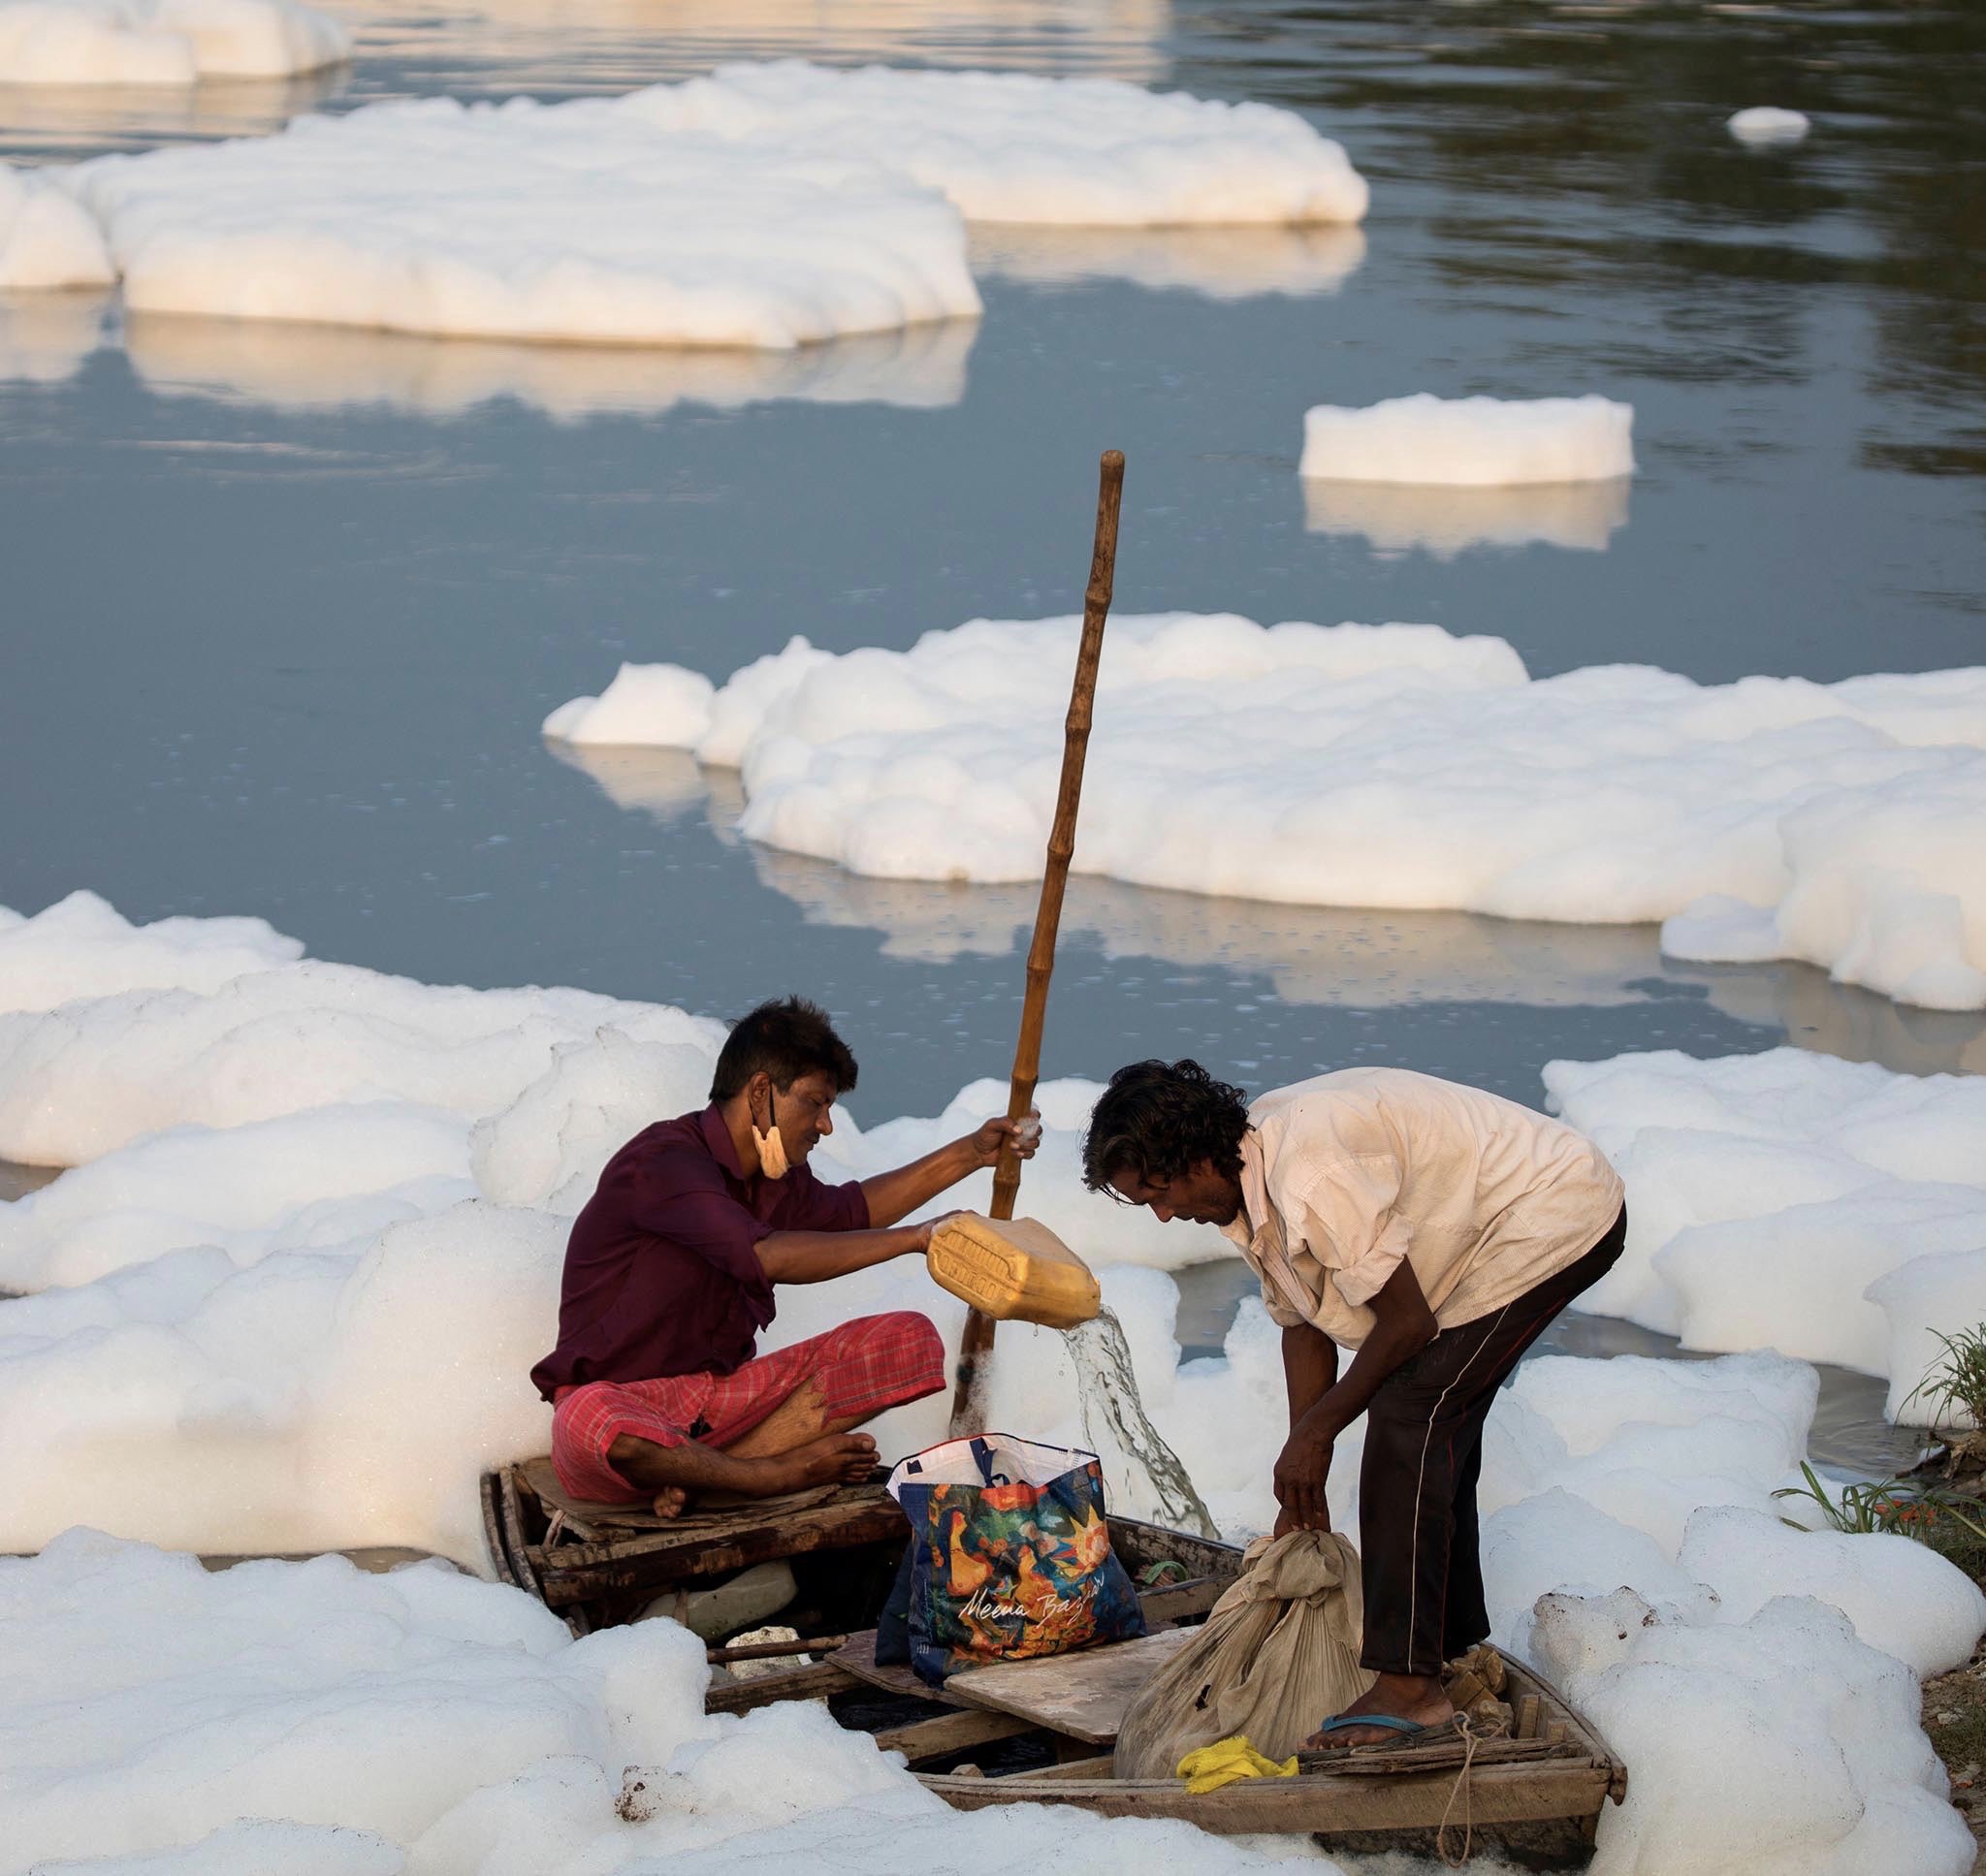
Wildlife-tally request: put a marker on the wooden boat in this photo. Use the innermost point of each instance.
(1026, 1732)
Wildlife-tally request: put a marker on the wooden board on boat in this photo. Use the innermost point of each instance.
(1081, 1696)
(1316, 1802)
(857, 1657)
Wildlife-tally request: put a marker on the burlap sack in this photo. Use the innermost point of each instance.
(1279, 1653)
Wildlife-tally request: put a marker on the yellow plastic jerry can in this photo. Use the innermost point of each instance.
(1013, 1269)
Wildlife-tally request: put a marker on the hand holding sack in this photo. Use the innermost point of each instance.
(1009, 1555)
(1278, 1653)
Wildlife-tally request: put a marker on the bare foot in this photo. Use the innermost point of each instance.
(1417, 1697)
(838, 1458)
(670, 1501)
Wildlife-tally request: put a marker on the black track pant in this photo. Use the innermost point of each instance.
(1417, 1490)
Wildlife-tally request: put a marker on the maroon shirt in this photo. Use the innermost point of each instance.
(661, 1271)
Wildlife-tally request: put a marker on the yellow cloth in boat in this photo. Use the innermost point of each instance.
(1207, 1769)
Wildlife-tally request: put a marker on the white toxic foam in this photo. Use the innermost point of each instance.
(80, 1077)
(303, 1319)
(245, 1188)
(1770, 1195)
(80, 947)
(46, 236)
(1780, 1745)
(577, 221)
(1768, 124)
(1013, 148)
(1360, 765)
(164, 41)
(768, 205)
(1470, 442)
(310, 1718)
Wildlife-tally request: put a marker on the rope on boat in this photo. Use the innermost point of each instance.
(1466, 1728)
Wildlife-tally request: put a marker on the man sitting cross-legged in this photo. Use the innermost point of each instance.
(669, 1274)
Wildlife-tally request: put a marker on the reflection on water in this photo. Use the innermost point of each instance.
(46, 336)
(1222, 263)
(615, 44)
(1322, 955)
(1395, 516)
(1850, 1431)
(68, 122)
(287, 367)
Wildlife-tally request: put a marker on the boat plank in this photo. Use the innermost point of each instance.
(1320, 1801)
(857, 1657)
(1578, 1728)
(958, 1731)
(1081, 1696)
(814, 1682)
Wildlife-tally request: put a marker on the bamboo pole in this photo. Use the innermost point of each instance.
(974, 1350)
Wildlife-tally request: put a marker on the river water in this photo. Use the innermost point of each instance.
(283, 608)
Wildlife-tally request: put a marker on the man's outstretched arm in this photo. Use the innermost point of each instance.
(892, 1195)
(816, 1257)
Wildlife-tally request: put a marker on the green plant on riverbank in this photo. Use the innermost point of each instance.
(1905, 1507)
(1957, 1386)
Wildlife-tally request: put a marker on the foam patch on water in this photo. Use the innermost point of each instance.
(1013, 148)
(164, 41)
(765, 205)
(303, 1317)
(310, 1717)
(577, 221)
(1475, 442)
(1766, 124)
(47, 238)
(1378, 766)
(1782, 1199)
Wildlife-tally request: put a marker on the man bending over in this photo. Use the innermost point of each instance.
(1434, 1229)
(657, 1387)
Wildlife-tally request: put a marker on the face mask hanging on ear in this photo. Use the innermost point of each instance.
(772, 1147)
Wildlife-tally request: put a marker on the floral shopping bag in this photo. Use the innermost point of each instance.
(1009, 1555)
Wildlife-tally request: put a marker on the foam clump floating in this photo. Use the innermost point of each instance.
(766, 206)
(1470, 442)
(164, 41)
(1011, 146)
(1387, 766)
(47, 240)
(1788, 1200)
(1768, 124)
(520, 220)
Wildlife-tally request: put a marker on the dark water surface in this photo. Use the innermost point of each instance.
(283, 609)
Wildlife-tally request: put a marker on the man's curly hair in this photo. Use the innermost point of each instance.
(1156, 1119)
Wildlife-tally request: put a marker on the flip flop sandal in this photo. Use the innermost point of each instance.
(1411, 1732)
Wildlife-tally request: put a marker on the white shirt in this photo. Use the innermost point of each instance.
(1343, 1176)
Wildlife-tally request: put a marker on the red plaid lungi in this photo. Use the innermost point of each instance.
(861, 1368)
